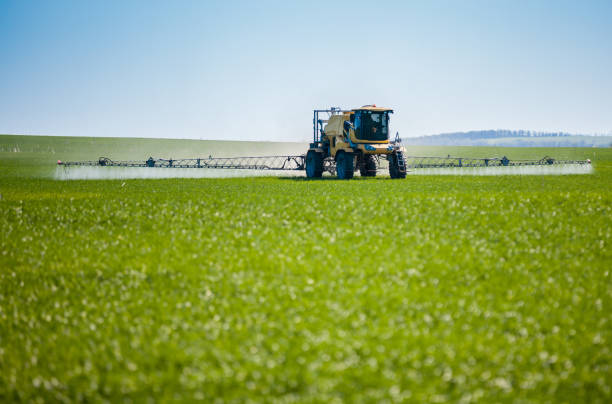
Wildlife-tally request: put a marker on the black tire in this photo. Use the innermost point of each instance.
(344, 165)
(314, 164)
(367, 168)
(394, 166)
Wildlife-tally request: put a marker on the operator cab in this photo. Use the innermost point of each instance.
(371, 123)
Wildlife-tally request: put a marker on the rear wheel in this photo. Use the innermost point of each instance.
(397, 165)
(367, 168)
(344, 165)
(314, 164)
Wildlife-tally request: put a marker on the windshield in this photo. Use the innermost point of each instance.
(372, 125)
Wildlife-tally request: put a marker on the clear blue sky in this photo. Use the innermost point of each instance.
(255, 70)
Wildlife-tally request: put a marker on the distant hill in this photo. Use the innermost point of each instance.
(510, 138)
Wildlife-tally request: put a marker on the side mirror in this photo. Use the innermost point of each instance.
(348, 125)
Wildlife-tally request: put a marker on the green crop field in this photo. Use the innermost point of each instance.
(428, 289)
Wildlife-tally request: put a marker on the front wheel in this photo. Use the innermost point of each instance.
(344, 165)
(397, 165)
(314, 164)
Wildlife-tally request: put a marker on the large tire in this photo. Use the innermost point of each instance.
(314, 164)
(345, 167)
(367, 168)
(394, 165)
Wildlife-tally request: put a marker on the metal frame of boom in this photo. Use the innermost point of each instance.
(297, 162)
(241, 163)
(438, 162)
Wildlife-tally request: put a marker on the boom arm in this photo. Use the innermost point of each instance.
(297, 162)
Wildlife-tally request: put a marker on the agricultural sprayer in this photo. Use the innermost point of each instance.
(344, 141)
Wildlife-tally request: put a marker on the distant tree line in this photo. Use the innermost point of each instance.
(516, 138)
(499, 133)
